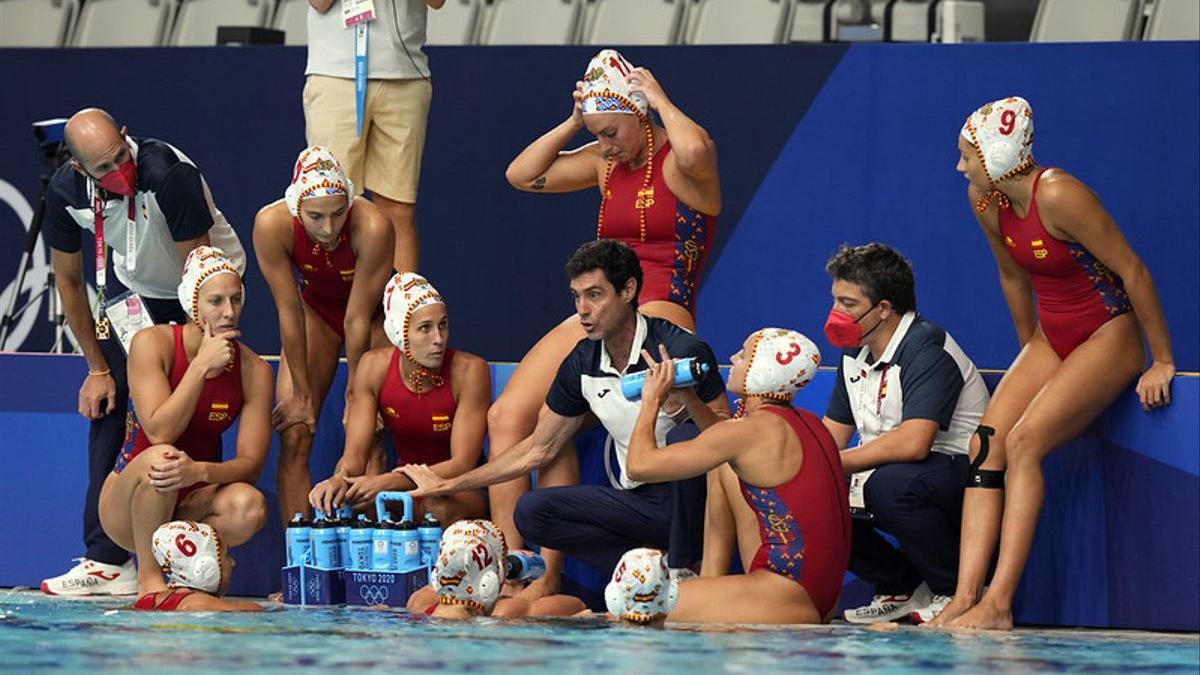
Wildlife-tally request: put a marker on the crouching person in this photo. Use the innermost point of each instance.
(188, 385)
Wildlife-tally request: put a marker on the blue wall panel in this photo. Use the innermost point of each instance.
(874, 158)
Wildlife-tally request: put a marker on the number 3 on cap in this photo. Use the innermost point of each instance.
(186, 546)
(785, 359)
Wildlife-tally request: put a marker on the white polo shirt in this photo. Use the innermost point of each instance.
(588, 382)
(922, 374)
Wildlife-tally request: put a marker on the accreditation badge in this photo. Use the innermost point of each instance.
(127, 314)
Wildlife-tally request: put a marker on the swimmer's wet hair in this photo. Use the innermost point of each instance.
(881, 271)
(618, 262)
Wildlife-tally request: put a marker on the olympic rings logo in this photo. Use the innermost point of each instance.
(374, 595)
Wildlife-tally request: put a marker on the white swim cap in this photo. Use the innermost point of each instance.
(317, 173)
(606, 86)
(470, 566)
(642, 589)
(189, 554)
(404, 294)
(202, 263)
(780, 362)
(1002, 134)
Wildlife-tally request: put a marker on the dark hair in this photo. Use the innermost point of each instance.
(881, 271)
(618, 262)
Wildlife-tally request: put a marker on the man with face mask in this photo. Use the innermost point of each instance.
(145, 200)
(915, 399)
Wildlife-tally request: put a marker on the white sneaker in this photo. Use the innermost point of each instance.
(94, 578)
(889, 607)
(936, 604)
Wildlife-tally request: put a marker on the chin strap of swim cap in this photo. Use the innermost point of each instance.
(642, 590)
(189, 554)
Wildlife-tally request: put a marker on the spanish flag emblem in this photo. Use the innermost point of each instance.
(218, 405)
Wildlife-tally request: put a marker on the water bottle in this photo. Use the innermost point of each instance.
(406, 547)
(687, 374)
(297, 537)
(326, 551)
(524, 566)
(381, 551)
(430, 533)
(343, 538)
(362, 532)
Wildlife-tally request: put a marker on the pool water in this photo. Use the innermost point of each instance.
(42, 633)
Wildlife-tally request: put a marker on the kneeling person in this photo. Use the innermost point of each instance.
(433, 401)
(197, 567)
(189, 384)
(915, 399)
(598, 523)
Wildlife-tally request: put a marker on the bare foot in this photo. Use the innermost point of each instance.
(984, 616)
(950, 612)
(277, 596)
(883, 627)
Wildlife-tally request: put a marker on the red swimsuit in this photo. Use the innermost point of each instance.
(1076, 293)
(677, 237)
(805, 522)
(326, 277)
(420, 424)
(169, 604)
(219, 405)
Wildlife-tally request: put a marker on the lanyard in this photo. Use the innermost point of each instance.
(358, 14)
(101, 251)
(882, 394)
(360, 72)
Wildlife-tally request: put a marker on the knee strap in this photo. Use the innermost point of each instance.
(984, 478)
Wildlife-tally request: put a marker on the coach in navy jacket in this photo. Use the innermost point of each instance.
(915, 399)
(594, 523)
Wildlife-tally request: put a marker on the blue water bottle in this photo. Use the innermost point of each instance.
(343, 538)
(406, 542)
(430, 533)
(297, 538)
(687, 374)
(362, 532)
(381, 546)
(524, 566)
(326, 551)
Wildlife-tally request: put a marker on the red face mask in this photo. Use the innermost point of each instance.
(120, 180)
(843, 330)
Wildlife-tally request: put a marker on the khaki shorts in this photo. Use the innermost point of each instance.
(387, 158)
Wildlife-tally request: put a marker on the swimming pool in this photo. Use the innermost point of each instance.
(42, 633)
